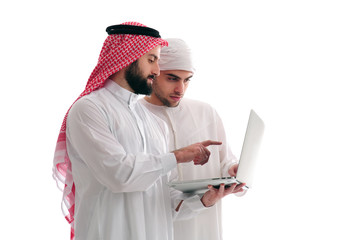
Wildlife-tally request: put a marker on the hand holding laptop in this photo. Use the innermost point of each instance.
(197, 152)
(213, 195)
(241, 173)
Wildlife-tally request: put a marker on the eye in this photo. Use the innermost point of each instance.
(151, 60)
(172, 79)
(186, 81)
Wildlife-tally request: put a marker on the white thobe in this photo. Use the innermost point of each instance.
(190, 122)
(118, 151)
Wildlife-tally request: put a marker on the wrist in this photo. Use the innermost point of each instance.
(206, 202)
(178, 155)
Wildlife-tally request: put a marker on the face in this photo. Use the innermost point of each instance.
(141, 73)
(169, 87)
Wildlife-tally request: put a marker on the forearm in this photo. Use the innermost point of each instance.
(185, 206)
(124, 172)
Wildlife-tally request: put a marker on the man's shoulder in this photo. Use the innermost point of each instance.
(193, 103)
(86, 100)
(94, 101)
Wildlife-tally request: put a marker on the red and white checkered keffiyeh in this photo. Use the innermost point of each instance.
(119, 50)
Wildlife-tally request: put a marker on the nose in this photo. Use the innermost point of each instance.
(180, 87)
(156, 69)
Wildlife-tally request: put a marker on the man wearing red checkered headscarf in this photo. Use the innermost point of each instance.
(112, 157)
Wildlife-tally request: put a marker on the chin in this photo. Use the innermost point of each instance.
(175, 104)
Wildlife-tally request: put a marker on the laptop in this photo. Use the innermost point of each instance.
(247, 162)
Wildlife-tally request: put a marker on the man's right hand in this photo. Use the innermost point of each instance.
(197, 152)
(213, 195)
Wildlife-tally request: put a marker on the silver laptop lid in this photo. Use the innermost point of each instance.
(250, 149)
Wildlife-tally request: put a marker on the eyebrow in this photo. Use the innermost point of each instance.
(189, 77)
(153, 55)
(175, 76)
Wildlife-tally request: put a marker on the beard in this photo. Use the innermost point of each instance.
(161, 96)
(137, 81)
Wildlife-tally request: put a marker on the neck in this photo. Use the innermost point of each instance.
(153, 100)
(119, 79)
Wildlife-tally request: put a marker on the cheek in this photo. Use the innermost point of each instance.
(158, 88)
(166, 89)
(144, 68)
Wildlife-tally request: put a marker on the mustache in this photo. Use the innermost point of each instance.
(152, 77)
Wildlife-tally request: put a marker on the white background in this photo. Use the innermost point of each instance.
(297, 63)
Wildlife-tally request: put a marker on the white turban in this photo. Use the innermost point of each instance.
(177, 56)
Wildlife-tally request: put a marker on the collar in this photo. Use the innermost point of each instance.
(163, 108)
(121, 94)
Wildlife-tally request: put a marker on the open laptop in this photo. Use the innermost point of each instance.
(247, 161)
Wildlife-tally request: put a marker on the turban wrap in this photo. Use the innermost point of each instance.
(125, 44)
(177, 56)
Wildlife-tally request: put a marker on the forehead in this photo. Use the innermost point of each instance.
(177, 73)
(155, 52)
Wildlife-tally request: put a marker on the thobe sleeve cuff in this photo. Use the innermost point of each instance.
(194, 203)
(191, 207)
(169, 162)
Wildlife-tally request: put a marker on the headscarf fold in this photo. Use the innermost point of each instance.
(177, 56)
(118, 51)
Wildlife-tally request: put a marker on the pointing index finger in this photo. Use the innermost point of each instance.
(210, 142)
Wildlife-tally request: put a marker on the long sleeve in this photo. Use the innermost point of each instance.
(190, 207)
(92, 141)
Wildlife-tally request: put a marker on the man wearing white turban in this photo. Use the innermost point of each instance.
(189, 121)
